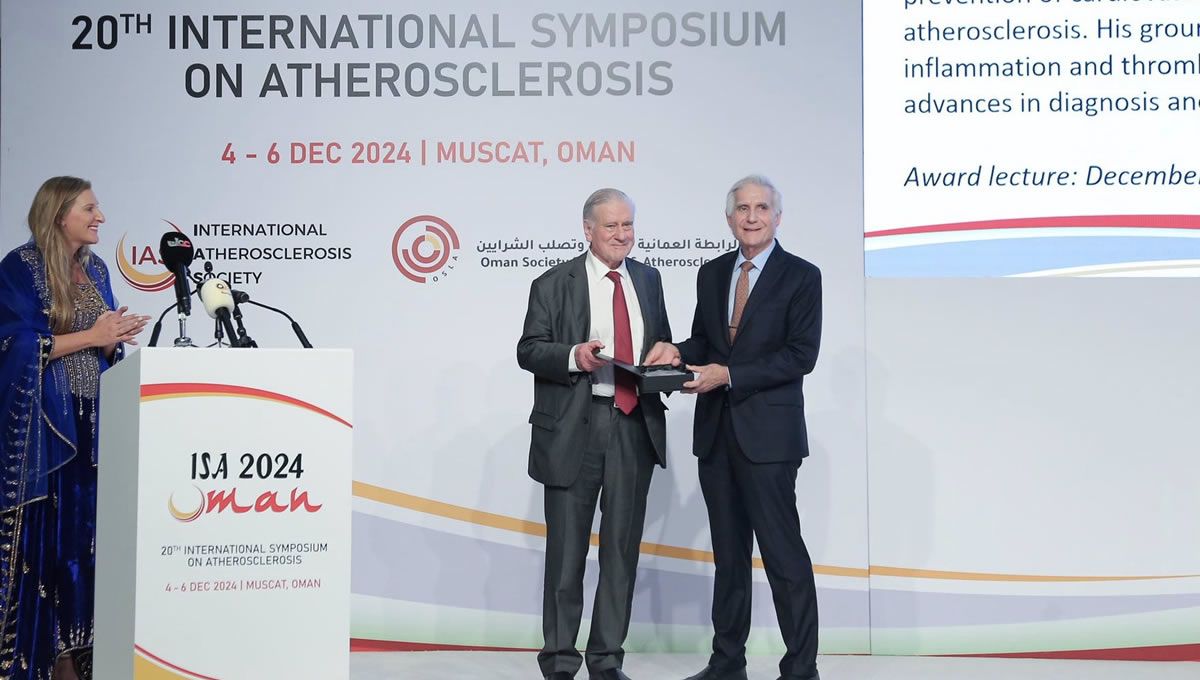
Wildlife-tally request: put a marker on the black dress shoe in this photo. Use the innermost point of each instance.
(609, 674)
(710, 673)
(560, 675)
(814, 676)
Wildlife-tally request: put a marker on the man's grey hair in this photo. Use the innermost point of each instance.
(756, 180)
(603, 196)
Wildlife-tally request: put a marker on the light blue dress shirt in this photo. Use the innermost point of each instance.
(758, 260)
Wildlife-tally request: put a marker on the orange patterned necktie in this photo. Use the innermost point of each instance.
(739, 298)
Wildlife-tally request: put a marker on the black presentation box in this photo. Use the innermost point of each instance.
(661, 378)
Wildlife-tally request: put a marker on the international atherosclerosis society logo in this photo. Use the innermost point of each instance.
(423, 248)
(140, 267)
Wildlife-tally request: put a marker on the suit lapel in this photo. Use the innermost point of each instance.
(641, 285)
(723, 281)
(579, 300)
(767, 280)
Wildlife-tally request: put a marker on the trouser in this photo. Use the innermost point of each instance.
(616, 470)
(748, 500)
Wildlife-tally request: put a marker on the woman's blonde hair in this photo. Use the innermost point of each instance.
(50, 205)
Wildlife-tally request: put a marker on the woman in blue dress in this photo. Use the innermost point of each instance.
(59, 329)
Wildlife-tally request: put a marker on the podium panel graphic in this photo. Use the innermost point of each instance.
(223, 536)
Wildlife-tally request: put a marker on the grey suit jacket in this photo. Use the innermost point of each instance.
(558, 318)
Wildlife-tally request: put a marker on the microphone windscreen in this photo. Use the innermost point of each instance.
(176, 250)
(215, 295)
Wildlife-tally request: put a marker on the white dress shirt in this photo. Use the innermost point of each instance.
(600, 298)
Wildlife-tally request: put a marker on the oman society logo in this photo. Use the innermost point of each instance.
(140, 267)
(425, 248)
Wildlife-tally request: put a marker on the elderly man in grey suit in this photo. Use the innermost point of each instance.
(593, 436)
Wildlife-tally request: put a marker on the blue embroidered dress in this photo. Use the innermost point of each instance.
(48, 412)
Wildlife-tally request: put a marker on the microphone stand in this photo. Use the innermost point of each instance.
(218, 333)
(183, 340)
(182, 327)
(295, 326)
(158, 325)
(219, 336)
(184, 303)
(243, 339)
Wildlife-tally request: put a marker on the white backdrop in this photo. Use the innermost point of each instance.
(1032, 452)
(1031, 474)
(447, 545)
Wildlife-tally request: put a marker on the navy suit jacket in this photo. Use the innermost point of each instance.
(776, 346)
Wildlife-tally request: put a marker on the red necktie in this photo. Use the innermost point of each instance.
(626, 389)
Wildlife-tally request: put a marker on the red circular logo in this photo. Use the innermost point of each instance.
(422, 246)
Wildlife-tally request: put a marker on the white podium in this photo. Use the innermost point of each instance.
(223, 535)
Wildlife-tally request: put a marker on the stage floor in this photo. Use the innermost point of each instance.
(523, 666)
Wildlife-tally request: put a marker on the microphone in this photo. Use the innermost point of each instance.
(218, 302)
(177, 253)
(244, 298)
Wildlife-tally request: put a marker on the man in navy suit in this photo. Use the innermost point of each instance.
(755, 335)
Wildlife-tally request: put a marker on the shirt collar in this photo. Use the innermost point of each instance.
(759, 260)
(598, 270)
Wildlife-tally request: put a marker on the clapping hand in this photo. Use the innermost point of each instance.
(116, 326)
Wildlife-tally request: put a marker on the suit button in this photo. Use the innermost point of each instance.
(585, 421)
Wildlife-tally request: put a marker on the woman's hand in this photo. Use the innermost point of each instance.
(113, 327)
